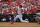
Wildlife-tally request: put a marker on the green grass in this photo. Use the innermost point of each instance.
(19, 26)
(9, 22)
(17, 22)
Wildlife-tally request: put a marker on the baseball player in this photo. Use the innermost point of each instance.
(19, 15)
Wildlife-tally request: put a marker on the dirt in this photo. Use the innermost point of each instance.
(19, 24)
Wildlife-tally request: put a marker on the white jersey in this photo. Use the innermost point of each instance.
(19, 11)
(0, 0)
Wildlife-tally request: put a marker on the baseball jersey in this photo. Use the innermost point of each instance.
(19, 11)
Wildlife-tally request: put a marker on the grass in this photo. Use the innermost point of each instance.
(19, 26)
(17, 22)
(9, 22)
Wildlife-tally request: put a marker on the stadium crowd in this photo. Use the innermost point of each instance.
(8, 9)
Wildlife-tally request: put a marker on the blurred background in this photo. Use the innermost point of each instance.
(8, 10)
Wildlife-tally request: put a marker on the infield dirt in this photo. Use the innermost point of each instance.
(19, 24)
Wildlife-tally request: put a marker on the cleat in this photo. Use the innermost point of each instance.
(11, 22)
(27, 22)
